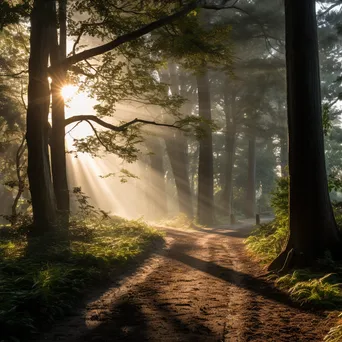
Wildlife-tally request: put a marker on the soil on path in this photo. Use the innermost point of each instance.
(201, 287)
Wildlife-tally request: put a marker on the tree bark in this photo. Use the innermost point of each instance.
(42, 196)
(58, 157)
(229, 151)
(313, 229)
(205, 207)
(250, 192)
(176, 146)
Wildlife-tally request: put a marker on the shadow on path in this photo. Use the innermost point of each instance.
(240, 279)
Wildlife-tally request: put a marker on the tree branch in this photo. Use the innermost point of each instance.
(121, 128)
(14, 74)
(97, 136)
(325, 11)
(99, 50)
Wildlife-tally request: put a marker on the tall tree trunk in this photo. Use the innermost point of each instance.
(229, 151)
(179, 165)
(58, 157)
(157, 186)
(250, 193)
(176, 146)
(313, 229)
(42, 196)
(205, 207)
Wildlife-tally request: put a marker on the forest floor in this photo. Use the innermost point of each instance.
(202, 286)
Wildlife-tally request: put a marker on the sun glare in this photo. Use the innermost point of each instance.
(68, 92)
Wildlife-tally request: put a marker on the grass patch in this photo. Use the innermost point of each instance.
(268, 240)
(304, 287)
(44, 285)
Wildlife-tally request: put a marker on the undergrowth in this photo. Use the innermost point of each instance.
(44, 285)
(305, 286)
(268, 239)
(319, 286)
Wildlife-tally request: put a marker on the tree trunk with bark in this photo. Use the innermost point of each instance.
(205, 206)
(58, 157)
(250, 192)
(229, 151)
(176, 146)
(42, 196)
(313, 230)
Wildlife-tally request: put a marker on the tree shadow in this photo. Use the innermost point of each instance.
(127, 322)
(257, 285)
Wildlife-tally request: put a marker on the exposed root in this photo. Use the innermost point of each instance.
(287, 262)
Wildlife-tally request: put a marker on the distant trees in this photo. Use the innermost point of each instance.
(13, 154)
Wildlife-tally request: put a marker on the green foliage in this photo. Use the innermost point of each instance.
(316, 289)
(194, 42)
(85, 209)
(43, 285)
(11, 14)
(334, 183)
(123, 176)
(123, 144)
(268, 240)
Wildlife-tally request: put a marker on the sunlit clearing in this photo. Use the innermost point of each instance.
(68, 92)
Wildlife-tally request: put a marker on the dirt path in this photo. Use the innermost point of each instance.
(202, 287)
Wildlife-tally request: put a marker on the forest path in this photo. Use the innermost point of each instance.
(201, 287)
